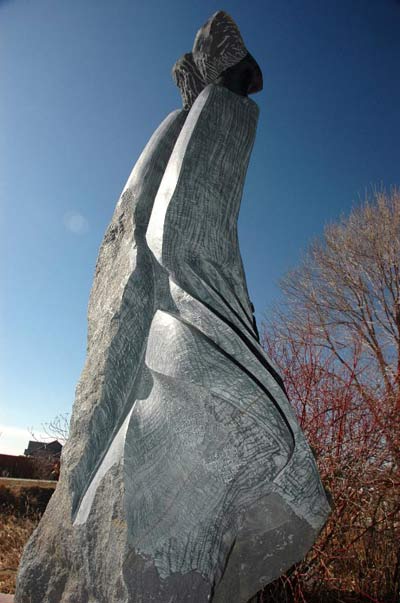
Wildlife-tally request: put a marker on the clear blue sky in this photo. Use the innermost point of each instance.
(84, 83)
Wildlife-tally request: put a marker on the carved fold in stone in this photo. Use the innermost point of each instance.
(236, 453)
(121, 308)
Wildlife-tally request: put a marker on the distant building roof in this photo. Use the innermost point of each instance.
(43, 448)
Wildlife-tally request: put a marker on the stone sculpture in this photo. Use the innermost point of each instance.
(186, 476)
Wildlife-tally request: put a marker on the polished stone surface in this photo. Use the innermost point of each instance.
(247, 499)
(186, 476)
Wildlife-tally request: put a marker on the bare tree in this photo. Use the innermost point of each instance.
(56, 429)
(348, 288)
(336, 341)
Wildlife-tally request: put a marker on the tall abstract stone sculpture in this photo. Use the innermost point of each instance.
(186, 476)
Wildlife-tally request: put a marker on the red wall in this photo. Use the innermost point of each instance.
(16, 466)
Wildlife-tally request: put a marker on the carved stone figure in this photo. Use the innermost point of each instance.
(186, 476)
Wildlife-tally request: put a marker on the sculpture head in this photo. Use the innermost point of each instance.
(222, 57)
(218, 45)
(219, 56)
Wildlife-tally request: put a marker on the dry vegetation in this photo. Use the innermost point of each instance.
(337, 344)
(14, 533)
(356, 558)
(21, 509)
